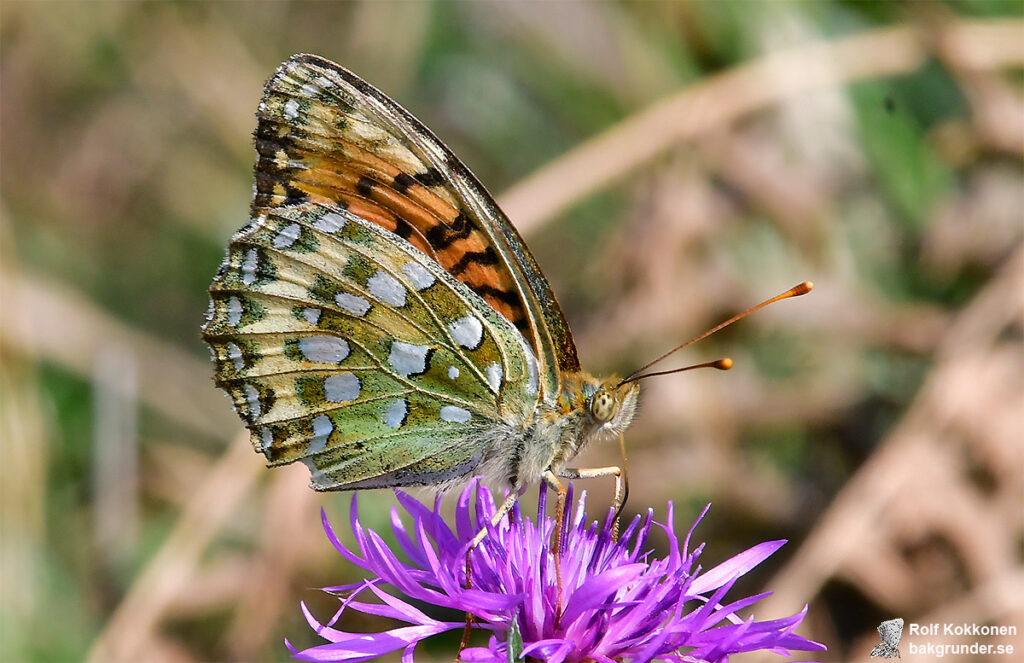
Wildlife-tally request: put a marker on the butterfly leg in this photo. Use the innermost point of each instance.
(621, 486)
(502, 511)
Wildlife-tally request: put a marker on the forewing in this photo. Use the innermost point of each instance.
(326, 135)
(349, 349)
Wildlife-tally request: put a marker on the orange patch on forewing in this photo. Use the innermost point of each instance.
(431, 201)
(363, 163)
(421, 218)
(477, 274)
(332, 170)
(473, 242)
(343, 177)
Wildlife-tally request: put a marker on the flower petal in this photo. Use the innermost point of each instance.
(735, 567)
(619, 601)
(595, 591)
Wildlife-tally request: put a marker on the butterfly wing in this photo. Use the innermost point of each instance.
(347, 348)
(326, 135)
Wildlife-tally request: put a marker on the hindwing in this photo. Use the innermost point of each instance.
(347, 348)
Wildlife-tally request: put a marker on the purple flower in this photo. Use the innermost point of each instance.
(618, 602)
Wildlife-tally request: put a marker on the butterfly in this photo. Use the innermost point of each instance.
(380, 320)
(890, 631)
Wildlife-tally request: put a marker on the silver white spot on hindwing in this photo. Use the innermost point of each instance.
(494, 374)
(330, 223)
(455, 414)
(234, 311)
(408, 359)
(531, 366)
(354, 304)
(467, 331)
(322, 429)
(341, 388)
(453, 372)
(386, 288)
(249, 266)
(287, 236)
(324, 349)
(266, 439)
(396, 413)
(235, 355)
(418, 275)
(291, 109)
(311, 315)
(252, 397)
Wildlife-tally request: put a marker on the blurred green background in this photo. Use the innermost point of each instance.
(669, 164)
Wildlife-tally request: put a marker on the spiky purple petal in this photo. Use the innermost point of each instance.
(618, 603)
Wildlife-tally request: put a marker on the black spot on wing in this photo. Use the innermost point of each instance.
(486, 257)
(442, 236)
(430, 177)
(269, 139)
(365, 186)
(294, 196)
(268, 176)
(403, 228)
(486, 290)
(402, 182)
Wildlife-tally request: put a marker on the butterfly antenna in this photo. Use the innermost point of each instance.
(721, 364)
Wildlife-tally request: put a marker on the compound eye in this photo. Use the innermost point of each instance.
(603, 406)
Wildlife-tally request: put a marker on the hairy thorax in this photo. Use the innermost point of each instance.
(558, 430)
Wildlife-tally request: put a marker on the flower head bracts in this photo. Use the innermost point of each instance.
(618, 602)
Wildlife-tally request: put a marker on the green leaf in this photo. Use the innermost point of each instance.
(909, 171)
